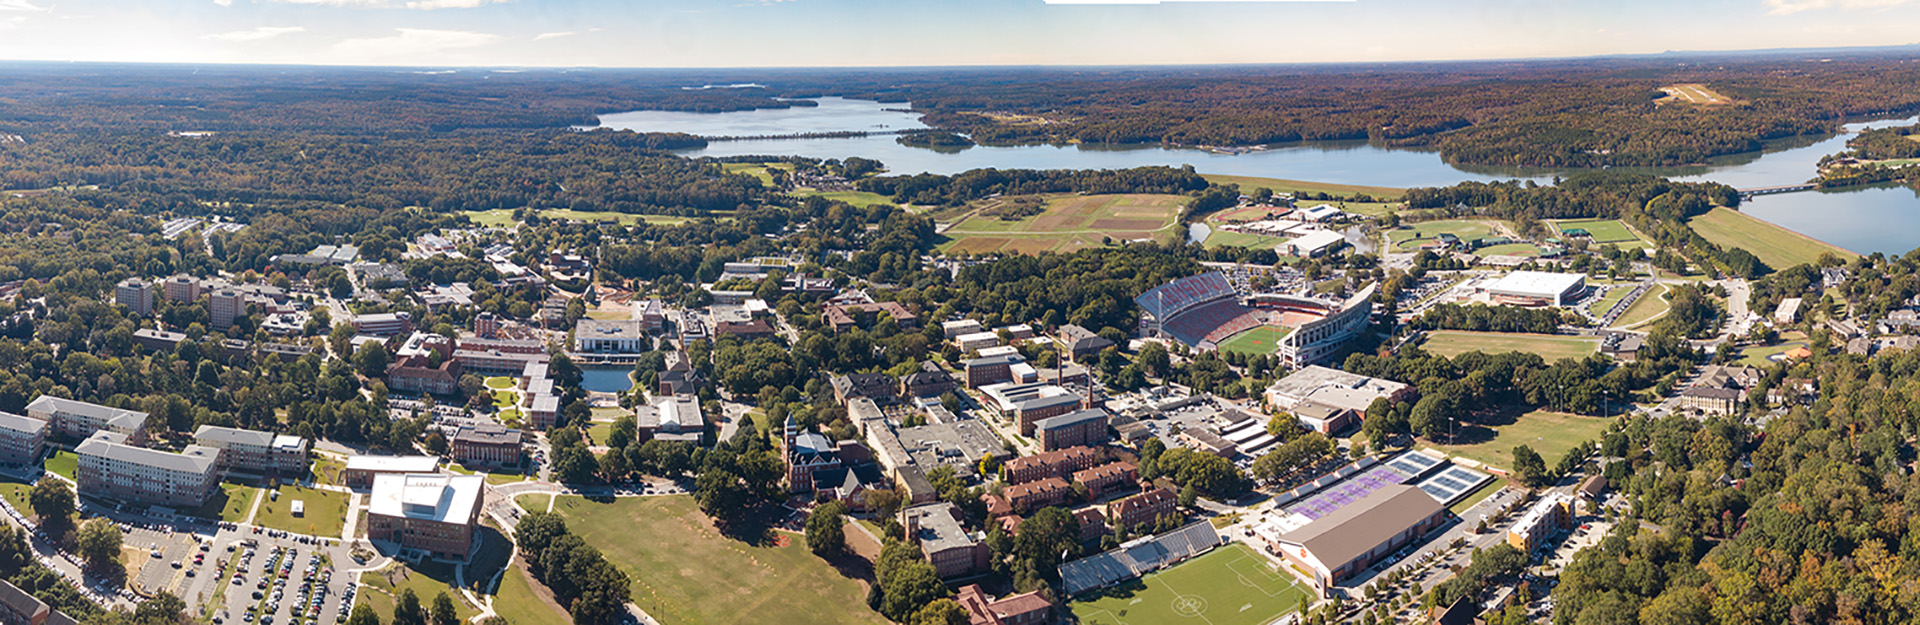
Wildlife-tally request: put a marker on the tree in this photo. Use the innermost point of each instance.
(826, 536)
(52, 501)
(162, 608)
(443, 612)
(1528, 467)
(910, 589)
(941, 612)
(371, 359)
(407, 609)
(99, 543)
(363, 615)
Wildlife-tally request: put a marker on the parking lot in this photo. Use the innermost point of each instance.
(276, 577)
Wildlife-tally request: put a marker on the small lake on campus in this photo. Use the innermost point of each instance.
(606, 379)
(1870, 219)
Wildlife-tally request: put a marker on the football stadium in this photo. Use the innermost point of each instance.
(1206, 313)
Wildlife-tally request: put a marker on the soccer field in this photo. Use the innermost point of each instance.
(1230, 586)
(1261, 340)
(1604, 231)
(1452, 343)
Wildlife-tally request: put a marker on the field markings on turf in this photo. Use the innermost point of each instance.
(1199, 613)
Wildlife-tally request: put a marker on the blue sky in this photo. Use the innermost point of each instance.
(764, 33)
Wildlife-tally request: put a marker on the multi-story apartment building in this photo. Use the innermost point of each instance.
(21, 439)
(78, 419)
(136, 295)
(487, 446)
(383, 324)
(181, 288)
(1106, 478)
(254, 452)
(1144, 508)
(1061, 464)
(225, 305)
(430, 512)
(1075, 429)
(952, 551)
(110, 468)
(1027, 497)
(19, 608)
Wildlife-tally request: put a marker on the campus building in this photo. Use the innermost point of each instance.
(418, 373)
(1538, 288)
(1027, 497)
(1546, 518)
(78, 419)
(1026, 404)
(610, 336)
(21, 439)
(1027, 608)
(951, 550)
(1084, 428)
(110, 468)
(1332, 548)
(988, 370)
(1335, 389)
(1081, 343)
(136, 295)
(19, 608)
(1106, 478)
(224, 306)
(383, 324)
(675, 418)
(432, 513)
(254, 452)
(1058, 464)
(1142, 509)
(361, 471)
(487, 445)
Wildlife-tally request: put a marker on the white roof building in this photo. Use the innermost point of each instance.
(434, 497)
(1538, 288)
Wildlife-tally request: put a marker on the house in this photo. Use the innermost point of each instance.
(951, 550)
(487, 445)
(432, 513)
(1081, 343)
(879, 387)
(1143, 509)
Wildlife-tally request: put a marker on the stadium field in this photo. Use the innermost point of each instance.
(1452, 343)
(1233, 585)
(1260, 340)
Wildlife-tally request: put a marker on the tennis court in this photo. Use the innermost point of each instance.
(1233, 585)
(1348, 491)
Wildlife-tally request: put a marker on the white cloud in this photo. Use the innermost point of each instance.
(546, 36)
(410, 45)
(256, 34)
(18, 5)
(424, 5)
(1788, 7)
(224, 3)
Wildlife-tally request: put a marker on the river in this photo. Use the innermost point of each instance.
(1866, 220)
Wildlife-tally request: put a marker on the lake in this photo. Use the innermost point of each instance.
(1866, 220)
(606, 379)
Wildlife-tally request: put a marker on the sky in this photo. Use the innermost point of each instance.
(867, 33)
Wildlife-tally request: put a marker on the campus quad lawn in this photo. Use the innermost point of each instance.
(684, 571)
(1550, 434)
(1452, 343)
(517, 600)
(1230, 586)
(1261, 340)
(232, 503)
(17, 496)
(501, 383)
(326, 512)
(63, 463)
(1778, 247)
(1409, 236)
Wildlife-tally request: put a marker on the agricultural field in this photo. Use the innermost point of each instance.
(1603, 232)
(1691, 93)
(1776, 246)
(861, 199)
(685, 571)
(1069, 222)
(1409, 236)
(1552, 347)
(1551, 434)
(1390, 196)
(1261, 340)
(1230, 586)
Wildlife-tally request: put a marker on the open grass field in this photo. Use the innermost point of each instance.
(326, 511)
(1551, 434)
(1509, 249)
(1261, 340)
(1778, 247)
(1691, 93)
(1230, 586)
(1552, 347)
(861, 199)
(1649, 307)
(1605, 302)
(235, 501)
(63, 463)
(519, 601)
(426, 585)
(686, 571)
(1604, 231)
(1762, 356)
(327, 470)
(1389, 196)
(1222, 238)
(1409, 237)
(500, 382)
(1069, 222)
(17, 495)
(757, 170)
(503, 217)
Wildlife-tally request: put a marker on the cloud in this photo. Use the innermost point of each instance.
(256, 34)
(410, 44)
(224, 3)
(1789, 7)
(19, 5)
(423, 5)
(546, 36)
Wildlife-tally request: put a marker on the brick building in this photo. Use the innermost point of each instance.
(433, 513)
(487, 446)
(1084, 428)
(1107, 478)
(1061, 464)
(1144, 508)
(1029, 496)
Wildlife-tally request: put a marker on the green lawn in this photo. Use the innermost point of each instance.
(1650, 306)
(498, 479)
(599, 433)
(427, 582)
(1605, 302)
(1389, 195)
(1757, 356)
(1604, 231)
(1409, 236)
(1233, 585)
(501, 383)
(327, 470)
(503, 217)
(17, 496)
(1223, 238)
(1261, 340)
(63, 463)
(684, 571)
(1550, 434)
(232, 504)
(861, 199)
(1485, 491)
(1778, 247)
(520, 603)
(1452, 343)
(326, 511)
(1509, 249)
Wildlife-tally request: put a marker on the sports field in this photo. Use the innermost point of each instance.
(685, 571)
(1550, 434)
(1230, 586)
(1409, 237)
(1260, 340)
(1222, 238)
(1778, 247)
(1604, 231)
(1069, 222)
(1552, 347)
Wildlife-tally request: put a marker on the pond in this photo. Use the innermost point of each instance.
(606, 379)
